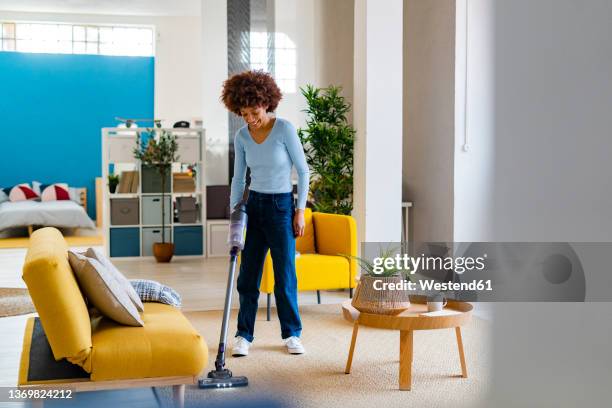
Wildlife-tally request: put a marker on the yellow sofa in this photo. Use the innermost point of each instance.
(166, 351)
(319, 267)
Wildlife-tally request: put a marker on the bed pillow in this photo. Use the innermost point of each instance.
(125, 284)
(22, 192)
(37, 186)
(3, 196)
(56, 192)
(152, 291)
(103, 291)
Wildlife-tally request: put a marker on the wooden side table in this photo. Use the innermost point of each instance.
(406, 322)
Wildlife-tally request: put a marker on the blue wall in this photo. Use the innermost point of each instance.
(53, 106)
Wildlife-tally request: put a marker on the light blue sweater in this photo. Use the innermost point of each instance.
(270, 163)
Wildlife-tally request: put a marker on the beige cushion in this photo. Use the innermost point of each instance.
(125, 284)
(103, 290)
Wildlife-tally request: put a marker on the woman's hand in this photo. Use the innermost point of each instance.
(298, 223)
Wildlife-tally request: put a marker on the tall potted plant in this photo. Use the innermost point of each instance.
(328, 141)
(159, 152)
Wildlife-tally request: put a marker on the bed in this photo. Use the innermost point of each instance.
(62, 214)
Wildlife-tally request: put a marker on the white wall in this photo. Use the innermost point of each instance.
(178, 63)
(178, 69)
(213, 73)
(378, 119)
(474, 144)
(428, 117)
(334, 42)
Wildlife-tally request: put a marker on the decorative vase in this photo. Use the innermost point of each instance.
(163, 251)
(370, 300)
(112, 187)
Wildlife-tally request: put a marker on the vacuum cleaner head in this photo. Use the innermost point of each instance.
(222, 379)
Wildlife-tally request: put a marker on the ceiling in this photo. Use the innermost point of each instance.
(113, 7)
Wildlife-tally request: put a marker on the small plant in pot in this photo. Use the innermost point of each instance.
(159, 152)
(113, 181)
(368, 299)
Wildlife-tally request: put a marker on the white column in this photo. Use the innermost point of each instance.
(214, 72)
(378, 119)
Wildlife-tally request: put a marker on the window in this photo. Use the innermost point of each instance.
(284, 66)
(285, 62)
(76, 39)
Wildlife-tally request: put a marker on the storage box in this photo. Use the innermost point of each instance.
(217, 202)
(151, 180)
(151, 236)
(124, 242)
(187, 210)
(152, 210)
(216, 238)
(183, 183)
(124, 211)
(188, 240)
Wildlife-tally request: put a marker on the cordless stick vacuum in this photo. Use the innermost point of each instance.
(221, 377)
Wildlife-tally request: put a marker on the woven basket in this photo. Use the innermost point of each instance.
(389, 302)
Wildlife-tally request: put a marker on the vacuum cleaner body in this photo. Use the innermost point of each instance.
(221, 377)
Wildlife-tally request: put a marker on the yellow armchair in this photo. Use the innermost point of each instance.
(319, 267)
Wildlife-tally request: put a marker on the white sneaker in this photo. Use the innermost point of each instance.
(294, 345)
(241, 347)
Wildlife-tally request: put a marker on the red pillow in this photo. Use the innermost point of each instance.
(55, 192)
(22, 192)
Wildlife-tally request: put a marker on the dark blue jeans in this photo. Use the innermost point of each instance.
(270, 226)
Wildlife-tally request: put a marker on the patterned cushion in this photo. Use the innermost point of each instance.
(55, 192)
(22, 192)
(152, 291)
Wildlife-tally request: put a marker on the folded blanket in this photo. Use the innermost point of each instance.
(152, 291)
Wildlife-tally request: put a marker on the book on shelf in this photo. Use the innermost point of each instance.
(124, 183)
(128, 182)
(135, 182)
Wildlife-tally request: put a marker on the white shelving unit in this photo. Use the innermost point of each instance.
(120, 240)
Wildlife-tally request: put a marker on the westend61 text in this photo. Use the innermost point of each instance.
(429, 285)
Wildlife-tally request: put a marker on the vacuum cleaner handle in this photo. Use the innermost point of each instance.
(220, 361)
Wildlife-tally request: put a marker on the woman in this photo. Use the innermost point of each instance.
(270, 147)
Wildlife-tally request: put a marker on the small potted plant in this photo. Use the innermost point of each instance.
(113, 181)
(159, 152)
(367, 299)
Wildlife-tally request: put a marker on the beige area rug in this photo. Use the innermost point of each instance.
(317, 378)
(14, 302)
